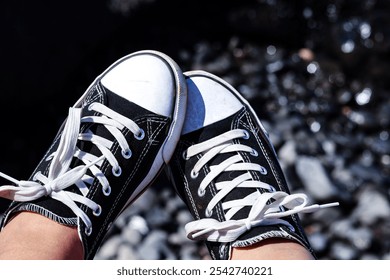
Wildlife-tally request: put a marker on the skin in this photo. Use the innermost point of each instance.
(272, 249)
(24, 235)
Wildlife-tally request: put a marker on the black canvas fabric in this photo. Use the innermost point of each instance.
(187, 187)
(134, 170)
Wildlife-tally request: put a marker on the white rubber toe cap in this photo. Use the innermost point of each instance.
(145, 80)
(209, 101)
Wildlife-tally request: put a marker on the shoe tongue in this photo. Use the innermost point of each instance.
(122, 106)
(209, 132)
(98, 94)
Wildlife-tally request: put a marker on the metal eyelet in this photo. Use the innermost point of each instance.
(246, 135)
(107, 191)
(263, 170)
(184, 155)
(117, 171)
(201, 192)
(194, 175)
(254, 153)
(88, 231)
(98, 211)
(50, 157)
(90, 107)
(127, 153)
(208, 213)
(141, 135)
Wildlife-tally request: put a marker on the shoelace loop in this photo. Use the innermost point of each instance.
(61, 176)
(267, 208)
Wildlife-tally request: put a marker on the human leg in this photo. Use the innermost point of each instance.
(30, 236)
(272, 249)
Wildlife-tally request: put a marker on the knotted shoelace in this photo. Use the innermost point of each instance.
(267, 208)
(60, 176)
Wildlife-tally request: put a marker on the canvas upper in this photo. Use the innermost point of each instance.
(227, 172)
(115, 141)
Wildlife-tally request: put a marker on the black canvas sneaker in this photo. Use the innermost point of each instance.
(115, 141)
(227, 172)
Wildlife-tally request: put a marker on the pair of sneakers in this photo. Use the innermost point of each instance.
(142, 115)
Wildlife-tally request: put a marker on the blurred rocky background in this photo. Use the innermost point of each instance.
(316, 72)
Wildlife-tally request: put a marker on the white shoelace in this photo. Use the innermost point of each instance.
(266, 208)
(60, 176)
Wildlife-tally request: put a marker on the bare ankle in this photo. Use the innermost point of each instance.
(32, 236)
(272, 249)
